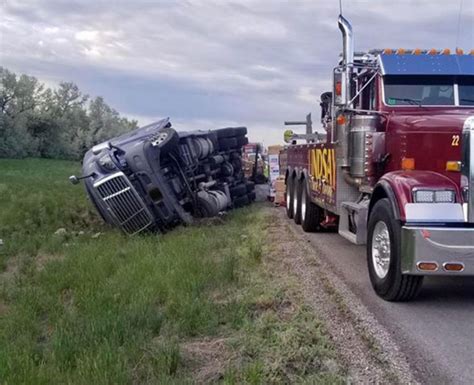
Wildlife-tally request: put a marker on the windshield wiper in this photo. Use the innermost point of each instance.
(407, 100)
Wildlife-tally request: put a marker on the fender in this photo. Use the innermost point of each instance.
(398, 187)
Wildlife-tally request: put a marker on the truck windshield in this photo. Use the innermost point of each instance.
(466, 90)
(419, 90)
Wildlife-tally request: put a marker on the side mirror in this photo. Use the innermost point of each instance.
(74, 179)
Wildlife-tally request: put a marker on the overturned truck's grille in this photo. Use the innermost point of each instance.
(124, 203)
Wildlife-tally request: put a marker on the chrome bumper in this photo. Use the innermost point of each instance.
(438, 245)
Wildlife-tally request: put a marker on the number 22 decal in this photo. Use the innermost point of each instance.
(455, 141)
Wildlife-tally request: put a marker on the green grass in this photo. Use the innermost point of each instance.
(80, 309)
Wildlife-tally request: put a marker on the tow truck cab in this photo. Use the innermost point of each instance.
(395, 171)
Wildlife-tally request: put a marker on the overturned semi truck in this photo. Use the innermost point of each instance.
(154, 178)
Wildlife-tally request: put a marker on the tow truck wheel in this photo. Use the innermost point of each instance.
(297, 189)
(310, 213)
(384, 256)
(289, 197)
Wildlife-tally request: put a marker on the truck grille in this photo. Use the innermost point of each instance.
(124, 203)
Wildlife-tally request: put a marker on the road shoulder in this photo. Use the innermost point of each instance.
(363, 345)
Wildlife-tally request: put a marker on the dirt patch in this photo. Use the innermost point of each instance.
(346, 320)
(11, 269)
(42, 260)
(208, 358)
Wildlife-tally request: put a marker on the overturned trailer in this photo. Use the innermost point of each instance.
(155, 178)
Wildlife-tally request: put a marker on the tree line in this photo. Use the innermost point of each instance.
(60, 123)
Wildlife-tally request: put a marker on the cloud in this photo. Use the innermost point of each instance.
(211, 62)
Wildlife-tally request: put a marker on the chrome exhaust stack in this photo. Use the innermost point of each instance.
(342, 93)
(467, 169)
(347, 41)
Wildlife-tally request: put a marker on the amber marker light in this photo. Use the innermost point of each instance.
(453, 166)
(453, 266)
(432, 51)
(408, 164)
(387, 51)
(427, 266)
(338, 88)
(459, 51)
(417, 51)
(401, 51)
(472, 52)
(446, 51)
(341, 119)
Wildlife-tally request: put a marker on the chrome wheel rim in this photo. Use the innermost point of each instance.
(303, 205)
(295, 203)
(381, 249)
(288, 197)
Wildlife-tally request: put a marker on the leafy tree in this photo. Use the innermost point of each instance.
(52, 123)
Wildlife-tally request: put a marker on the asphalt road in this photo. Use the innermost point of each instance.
(435, 331)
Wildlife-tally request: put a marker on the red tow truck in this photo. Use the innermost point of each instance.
(395, 170)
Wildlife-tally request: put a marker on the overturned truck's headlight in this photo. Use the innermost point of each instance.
(106, 162)
(434, 196)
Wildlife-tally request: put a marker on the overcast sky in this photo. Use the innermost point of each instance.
(209, 63)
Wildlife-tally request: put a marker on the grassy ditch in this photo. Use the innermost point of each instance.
(87, 304)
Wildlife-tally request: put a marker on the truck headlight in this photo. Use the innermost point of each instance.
(106, 162)
(434, 196)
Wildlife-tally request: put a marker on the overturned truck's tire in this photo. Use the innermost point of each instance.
(239, 190)
(230, 132)
(166, 140)
(250, 186)
(227, 143)
(241, 201)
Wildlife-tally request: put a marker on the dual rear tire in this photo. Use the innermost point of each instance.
(299, 206)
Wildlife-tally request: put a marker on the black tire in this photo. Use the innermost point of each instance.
(242, 141)
(260, 179)
(289, 197)
(393, 286)
(166, 139)
(238, 190)
(241, 201)
(250, 186)
(226, 132)
(230, 131)
(237, 163)
(297, 190)
(252, 196)
(311, 214)
(227, 143)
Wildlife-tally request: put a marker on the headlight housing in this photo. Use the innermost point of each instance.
(433, 196)
(106, 162)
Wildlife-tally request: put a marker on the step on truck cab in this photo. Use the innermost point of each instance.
(396, 168)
